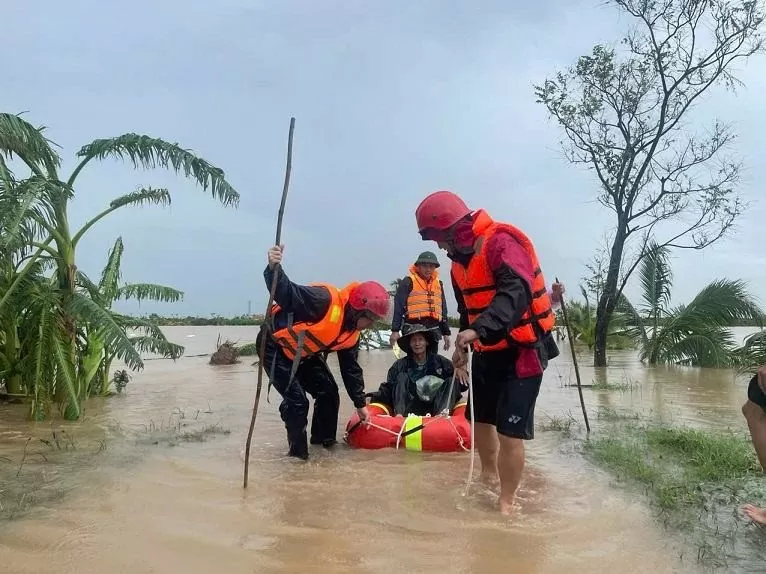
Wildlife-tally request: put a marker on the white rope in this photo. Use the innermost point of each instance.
(473, 423)
(373, 425)
(428, 419)
(460, 441)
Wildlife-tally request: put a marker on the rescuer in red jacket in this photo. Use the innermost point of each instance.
(506, 314)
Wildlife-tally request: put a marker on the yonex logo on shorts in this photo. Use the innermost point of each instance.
(514, 419)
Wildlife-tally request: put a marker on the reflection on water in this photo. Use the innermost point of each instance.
(134, 490)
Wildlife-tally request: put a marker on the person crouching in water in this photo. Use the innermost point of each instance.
(309, 321)
(422, 382)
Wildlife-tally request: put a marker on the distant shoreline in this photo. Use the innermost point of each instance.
(237, 321)
(256, 320)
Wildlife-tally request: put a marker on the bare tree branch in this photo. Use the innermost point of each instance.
(625, 115)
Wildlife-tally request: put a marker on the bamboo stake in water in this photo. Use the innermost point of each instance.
(271, 298)
(574, 360)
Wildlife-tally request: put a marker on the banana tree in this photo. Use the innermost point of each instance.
(98, 357)
(697, 334)
(63, 313)
(582, 323)
(19, 270)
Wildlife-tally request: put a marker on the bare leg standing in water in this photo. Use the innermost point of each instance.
(511, 466)
(488, 446)
(754, 411)
(502, 463)
(504, 410)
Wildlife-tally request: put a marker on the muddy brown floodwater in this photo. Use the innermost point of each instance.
(132, 489)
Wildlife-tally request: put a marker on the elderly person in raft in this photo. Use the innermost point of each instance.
(423, 382)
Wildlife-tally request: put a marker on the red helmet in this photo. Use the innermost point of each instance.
(370, 296)
(440, 210)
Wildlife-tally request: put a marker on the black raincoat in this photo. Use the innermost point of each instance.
(400, 394)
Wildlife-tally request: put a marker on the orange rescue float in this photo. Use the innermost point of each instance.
(440, 433)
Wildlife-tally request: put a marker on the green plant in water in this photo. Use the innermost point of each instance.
(582, 323)
(52, 325)
(679, 465)
(696, 334)
(98, 355)
(121, 379)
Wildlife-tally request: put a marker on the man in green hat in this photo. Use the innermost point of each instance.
(420, 299)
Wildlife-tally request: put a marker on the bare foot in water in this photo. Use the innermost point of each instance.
(507, 505)
(755, 513)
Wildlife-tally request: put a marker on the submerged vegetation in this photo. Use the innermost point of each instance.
(45, 466)
(58, 332)
(695, 479)
(696, 334)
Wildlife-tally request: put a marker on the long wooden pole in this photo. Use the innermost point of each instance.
(271, 298)
(574, 360)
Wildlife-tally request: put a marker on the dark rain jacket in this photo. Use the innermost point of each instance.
(398, 391)
(310, 304)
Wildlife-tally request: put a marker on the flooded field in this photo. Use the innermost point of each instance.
(151, 481)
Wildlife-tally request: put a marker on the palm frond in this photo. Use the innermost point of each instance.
(139, 197)
(19, 137)
(15, 210)
(708, 348)
(656, 280)
(632, 324)
(142, 196)
(723, 302)
(149, 153)
(698, 333)
(152, 335)
(26, 214)
(113, 335)
(162, 347)
(150, 292)
(84, 282)
(141, 324)
(109, 284)
(752, 355)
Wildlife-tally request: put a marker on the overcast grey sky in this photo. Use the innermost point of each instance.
(392, 100)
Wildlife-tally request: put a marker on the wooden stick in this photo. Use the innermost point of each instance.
(271, 298)
(574, 360)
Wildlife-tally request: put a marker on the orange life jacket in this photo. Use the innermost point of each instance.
(477, 285)
(325, 335)
(425, 299)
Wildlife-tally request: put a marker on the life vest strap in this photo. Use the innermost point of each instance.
(534, 318)
(481, 289)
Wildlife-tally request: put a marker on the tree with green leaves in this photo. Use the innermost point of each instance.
(53, 325)
(582, 323)
(98, 356)
(626, 116)
(696, 334)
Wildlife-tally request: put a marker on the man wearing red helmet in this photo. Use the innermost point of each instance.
(309, 321)
(506, 315)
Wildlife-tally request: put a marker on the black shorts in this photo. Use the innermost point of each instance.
(755, 394)
(502, 399)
